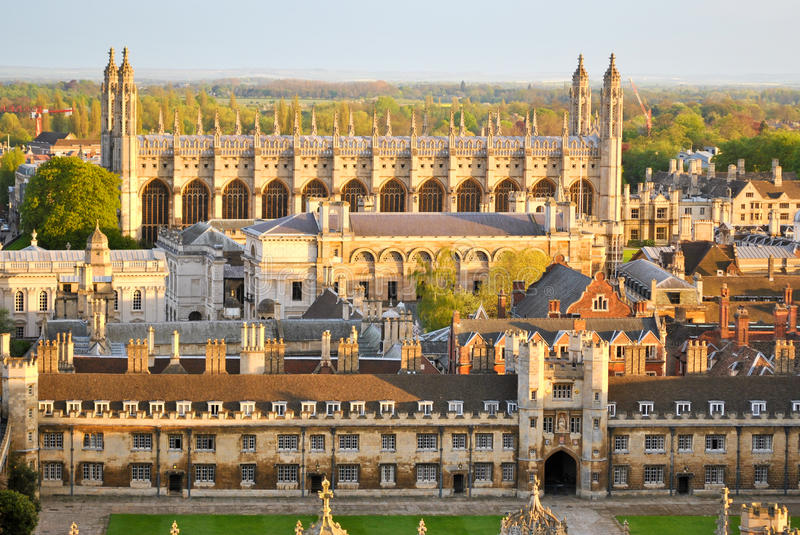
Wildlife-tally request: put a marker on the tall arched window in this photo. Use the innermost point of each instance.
(195, 203)
(544, 189)
(137, 299)
(582, 194)
(393, 197)
(431, 197)
(155, 210)
(314, 190)
(502, 193)
(42, 301)
(235, 201)
(275, 201)
(19, 302)
(468, 197)
(351, 192)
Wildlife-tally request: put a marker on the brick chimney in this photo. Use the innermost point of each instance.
(696, 357)
(517, 292)
(640, 309)
(137, 356)
(502, 304)
(742, 319)
(579, 325)
(724, 319)
(553, 308)
(780, 315)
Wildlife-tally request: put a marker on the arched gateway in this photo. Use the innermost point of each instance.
(560, 474)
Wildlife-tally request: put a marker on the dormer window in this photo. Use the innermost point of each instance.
(130, 407)
(46, 408)
(73, 406)
(456, 407)
(645, 408)
(214, 408)
(100, 407)
(612, 410)
(425, 407)
(600, 303)
(279, 408)
(716, 407)
(156, 407)
(247, 408)
(511, 407)
(758, 407)
(682, 407)
(309, 407)
(795, 406)
(183, 407)
(332, 407)
(491, 407)
(358, 408)
(387, 408)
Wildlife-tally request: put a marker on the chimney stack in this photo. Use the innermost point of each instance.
(724, 311)
(696, 357)
(780, 317)
(517, 292)
(215, 357)
(740, 167)
(554, 308)
(673, 166)
(742, 319)
(501, 304)
(731, 173)
(712, 170)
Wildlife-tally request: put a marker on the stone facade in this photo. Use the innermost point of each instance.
(178, 180)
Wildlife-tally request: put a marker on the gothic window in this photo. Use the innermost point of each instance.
(351, 192)
(393, 197)
(195, 203)
(431, 197)
(544, 189)
(155, 210)
(502, 193)
(19, 302)
(314, 190)
(235, 201)
(468, 197)
(137, 300)
(582, 194)
(275, 201)
(43, 301)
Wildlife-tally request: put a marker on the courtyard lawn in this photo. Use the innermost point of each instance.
(627, 253)
(669, 525)
(284, 524)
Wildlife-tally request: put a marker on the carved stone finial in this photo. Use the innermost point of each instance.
(174, 529)
(160, 121)
(374, 122)
(199, 126)
(425, 123)
(413, 123)
(462, 131)
(238, 126)
(176, 124)
(73, 529)
(217, 128)
(257, 124)
(565, 125)
(498, 124)
(336, 123)
(351, 131)
(276, 126)
(421, 528)
(388, 123)
(325, 495)
(34, 241)
(534, 126)
(313, 121)
(298, 528)
(296, 127)
(452, 123)
(489, 126)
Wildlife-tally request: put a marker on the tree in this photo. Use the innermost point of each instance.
(5, 321)
(21, 477)
(17, 514)
(8, 165)
(66, 198)
(440, 295)
(525, 265)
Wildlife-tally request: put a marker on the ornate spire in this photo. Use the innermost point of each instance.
(298, 528)
(199, 126)
(160, 121)
(425, 123)
(313, 121)
(527, 123)
(174, 529)
(388, 123)
(374, 122)
(461, 130)
(565, 126)
(73, 529)
(489, 126)
(257, 124)
(498, 123)
(413, 123)
(111, 68)
(276, 125)
(217, 129)
(34, 241)
(335, 122)
(238, 126)
(612, 74)
(534, 126)
(176, 124)
(421, 528)
(452, 123)
(580, 72)
(351, 131)
(296, 126)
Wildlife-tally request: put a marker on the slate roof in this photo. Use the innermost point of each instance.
(204, 234)
(404, 389)
(736, 392)
(37, 254)
(444, 224)
(328, 305)
(549, 328)
(558, 282)
(765, 251)
(50, 137)
(644, 271)
(295, 224)
(751, 285)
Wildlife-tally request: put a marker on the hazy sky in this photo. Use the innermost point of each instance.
(512, 40)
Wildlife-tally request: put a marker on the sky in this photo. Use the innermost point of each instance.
(469, 39)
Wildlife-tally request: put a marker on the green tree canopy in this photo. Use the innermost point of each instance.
(21, 477)
(440, 295)
(65, 199)
(525, 265)
(17, 513)
(8, 165)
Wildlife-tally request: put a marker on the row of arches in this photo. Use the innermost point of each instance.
(392, 198)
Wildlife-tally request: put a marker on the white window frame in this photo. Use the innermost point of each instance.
(758, 407)
(74, 405)
(183, 407)
(101, 407)
(425, 407)
(46, 407)
(349, 442)
(315, 438)
(156, 407)
(131, 408)
(427, 472)
(712, 437)
(460, 437)
(795, 405)
(768, 443)
(456, 406)
(621, 443)
(761, 475)
(347, 473)
(205, 473)
(682, 407)
(427, 441)
(309, 407)
(279, 408)
(287, 473)
(248, 443)
(215, 408)
(654, 472)
(358, 408)
(491, 407)
(141, 472)
(95, 441)
(483, 472)
(247, 408)
(209, 438)
(655, 448)
(507, 472)
(53, 440)
(142, 441)
(612, 409)
(509, 442)
(646, 408)
(512, 407)
(562, 391)
(52, 471)
(714, 474)
(484, 441)
(716, 407)
(388, 442)
(332, 407)
(92, 472)
(620, 475)
(388, 474)
(288, 442)
(247, 473)
(684, 449)
(387, 407)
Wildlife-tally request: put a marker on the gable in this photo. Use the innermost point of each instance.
(599, 300)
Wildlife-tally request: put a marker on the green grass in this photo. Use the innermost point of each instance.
(670, 525)
(284, 524)
(21, 242)
(628, 253)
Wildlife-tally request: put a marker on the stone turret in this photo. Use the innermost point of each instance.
(696, 357)
(19, 400)
(347, 356)
(56, 356)
(411, 356)
(215, 357)
(137, 356)
(580, 110)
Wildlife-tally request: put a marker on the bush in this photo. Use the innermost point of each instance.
(22, 478)
(18, 514)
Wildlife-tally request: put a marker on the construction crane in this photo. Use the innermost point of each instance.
(36, 113)
(648, 113)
